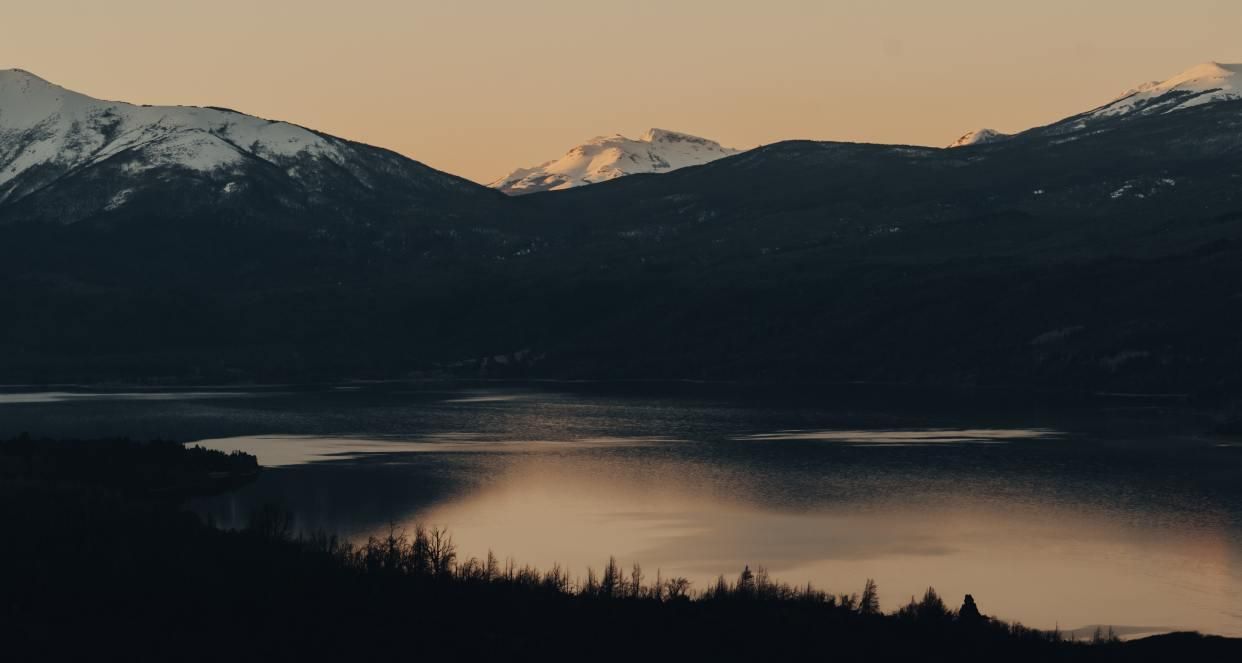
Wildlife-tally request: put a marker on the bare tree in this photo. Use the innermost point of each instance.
(271, 521)
(441, 551)
(677, 588)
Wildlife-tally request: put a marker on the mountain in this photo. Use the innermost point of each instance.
(173, 240)
(1086, 255)
(1102, 258)
(48, 132)
(609, 157)
(68, 157)
(979, 137)
(1207, 83)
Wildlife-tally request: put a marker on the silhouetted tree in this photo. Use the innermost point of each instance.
(591, 586)
(746, 583)
(271, 522)
(869, 603)
(764, 588)
(969, 612)
(556, 579)
(610, 585)
(635, 590)
(492, 570)
(420, 554)
(932, 607)
(441, 551)
(677, 588)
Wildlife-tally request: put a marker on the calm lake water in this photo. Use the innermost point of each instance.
(1051, 514)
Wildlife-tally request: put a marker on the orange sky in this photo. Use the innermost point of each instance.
(478, 87)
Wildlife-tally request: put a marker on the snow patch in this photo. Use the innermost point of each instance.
(119, 199)
(1143, 188)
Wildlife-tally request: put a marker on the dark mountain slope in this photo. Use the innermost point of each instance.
(1109, 260)
(1102, 259)
(1132, 170)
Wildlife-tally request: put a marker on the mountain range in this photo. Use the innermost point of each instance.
(1097, 252)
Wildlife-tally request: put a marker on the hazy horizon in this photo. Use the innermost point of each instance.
(479, 88)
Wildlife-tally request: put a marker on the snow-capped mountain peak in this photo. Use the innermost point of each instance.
(1205, 83)
(66, 157)
(609, 157)
(1210, 82)
(979, 137)
(47, 131)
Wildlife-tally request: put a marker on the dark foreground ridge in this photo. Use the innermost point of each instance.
(101, 564)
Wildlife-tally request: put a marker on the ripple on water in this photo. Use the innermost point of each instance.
(908, 437)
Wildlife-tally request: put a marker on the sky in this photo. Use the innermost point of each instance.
(480, 87)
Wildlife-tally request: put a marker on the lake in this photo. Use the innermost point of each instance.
(1068, 514)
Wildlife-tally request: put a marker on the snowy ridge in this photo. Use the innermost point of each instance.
(47, 131)
(1210, 82)
(609, 157)
(979, 137)
(1206, 83)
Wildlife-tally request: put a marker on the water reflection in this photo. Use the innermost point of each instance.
(1040, 534)
(1050, 517)
(1043, 564)
(907, 437)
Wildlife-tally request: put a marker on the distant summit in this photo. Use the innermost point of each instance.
(1210, 82)
(609, 157)
(979, 137)
(1202, 84)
